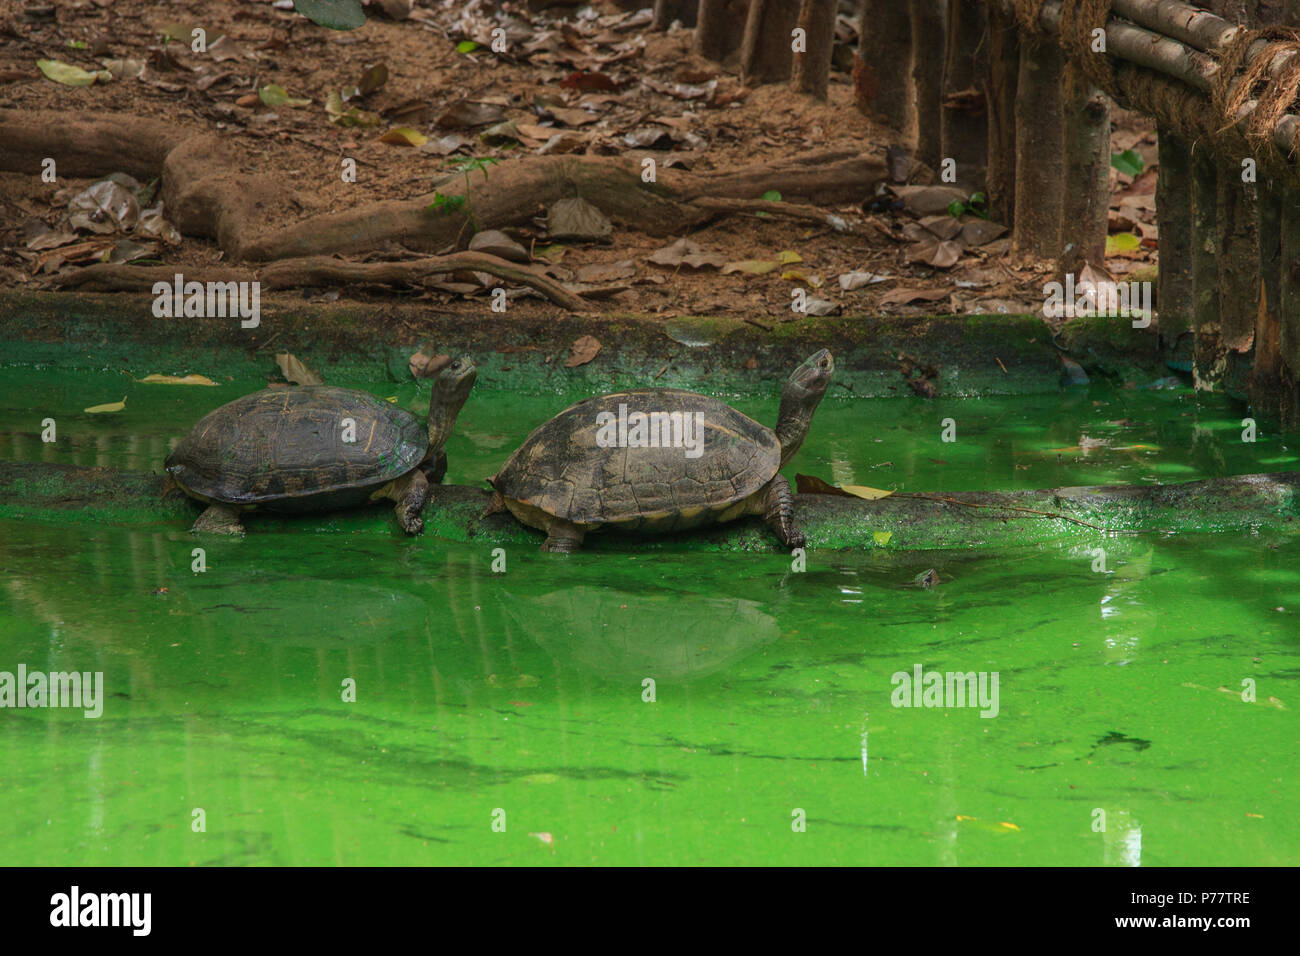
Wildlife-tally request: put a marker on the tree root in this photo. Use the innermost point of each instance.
(318, 271)
(207, 194)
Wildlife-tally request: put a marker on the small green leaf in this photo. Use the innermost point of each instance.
(1129, 162)
(467, 46)
(273, 94)
(77, 44)
(1121, 242)
(956, 208)
(772, 196)
(443, 203)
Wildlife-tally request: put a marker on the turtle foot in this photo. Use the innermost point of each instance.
(218, 519)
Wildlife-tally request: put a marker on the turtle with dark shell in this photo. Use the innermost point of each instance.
(318, 448)
(616, 461)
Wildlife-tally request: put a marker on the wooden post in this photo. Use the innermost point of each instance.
(716, 31)
(1205, 266)
(812, 68)
(882, 78)
(1237, 244)
(1040, 168)
(928, 28)
(964, 135)
(1085, 212)
(765, 54)
(1000, 96)
(1289, 298)
(1174, 298)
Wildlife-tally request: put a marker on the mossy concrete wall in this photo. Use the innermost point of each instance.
(975, 355)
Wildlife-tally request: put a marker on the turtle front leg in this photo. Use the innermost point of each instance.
(779, 513)
(562, 537)
(219, 519)
(411, 494)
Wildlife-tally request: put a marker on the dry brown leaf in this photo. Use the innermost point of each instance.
(294, 371)
(584, 350)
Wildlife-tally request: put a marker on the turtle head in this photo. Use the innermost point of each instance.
(800, 398)
(450, 389)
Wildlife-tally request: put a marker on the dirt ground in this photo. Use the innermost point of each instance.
(588, 80)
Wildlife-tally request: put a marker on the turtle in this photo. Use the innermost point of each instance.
(596, 465)
(317, 448)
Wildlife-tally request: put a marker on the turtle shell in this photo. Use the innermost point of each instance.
(562, 469)
(284, 449)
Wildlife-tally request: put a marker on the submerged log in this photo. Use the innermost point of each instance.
(1244, 504)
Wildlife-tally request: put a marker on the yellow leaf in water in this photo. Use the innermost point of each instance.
(882, 537)
(1009, 826)
(176, 380)
(391, 399)
(862, 491)
(404, 136)
(106, 409)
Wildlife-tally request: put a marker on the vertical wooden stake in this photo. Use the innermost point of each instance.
(1174, 298)
(882, 75)
(1085, 213)
(1000, 96)
(1205, 266)
(929, 19)
(1040, 167)
(964, 133)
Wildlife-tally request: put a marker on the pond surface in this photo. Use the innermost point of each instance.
(501, 718)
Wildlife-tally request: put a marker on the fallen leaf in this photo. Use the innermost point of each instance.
(582, 80)
(494, 242)
(607, 271)
(341, 115)
(940, 254)
(273, 94)
(856, 280)
(106, 409)
(577, 219)
(684, 252)
(404, 136)
(904, 296)
(176, 380)
(584, 350)
(470, 113)
(881, 537)
(757, 267)
(70, 75)
(295, 372)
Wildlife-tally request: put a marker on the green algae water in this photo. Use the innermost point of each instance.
(665, 706)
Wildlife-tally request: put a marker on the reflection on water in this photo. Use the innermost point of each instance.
(1120, 679)
(524, 691)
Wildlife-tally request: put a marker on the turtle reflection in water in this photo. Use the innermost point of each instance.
(567, 482)
(618, 634)
(317, 448)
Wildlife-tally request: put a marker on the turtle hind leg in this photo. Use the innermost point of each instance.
(562, 537)
(411, 494)
(778, 512)
(219, 519)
